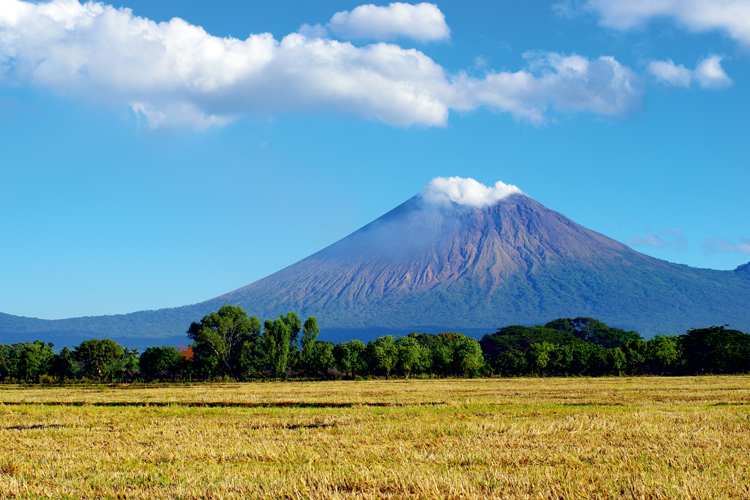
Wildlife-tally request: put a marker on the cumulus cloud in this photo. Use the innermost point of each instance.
(466, 192)
(176, 74)
(423, 22)
(565, 83)
(720, 245)
(670, 238)
(709, 74)
(729, 16)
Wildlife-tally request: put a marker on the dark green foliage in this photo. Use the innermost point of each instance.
(565, 347)
(161, 362)
(228, 343)
(594, 331)
(66, 366)
(715, 350)
(321, 361)
(99, 358)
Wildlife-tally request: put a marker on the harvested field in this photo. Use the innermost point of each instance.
(644, 437)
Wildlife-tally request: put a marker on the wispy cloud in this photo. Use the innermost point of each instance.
(720, 245)
(728, 16)
(176, 74)
(708, 74)
(671, 239)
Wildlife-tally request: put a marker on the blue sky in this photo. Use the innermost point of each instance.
(166, 154)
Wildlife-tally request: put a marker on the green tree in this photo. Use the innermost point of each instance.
(538, 356)
(663, 352)
(99, 357)
(635, 355)
(512, 363)
(715, 349)
(161, 362)
(279, 341)
(7, 363)
(310, 333)
(351, 356)
(616, 359)
(66, 366)
(409, 354)
(467, 355)
(384, 353)
(594, 331)
(322, 361)
(34, 359)
(219, 339)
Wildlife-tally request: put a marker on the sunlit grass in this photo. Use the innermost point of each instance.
(500, 438)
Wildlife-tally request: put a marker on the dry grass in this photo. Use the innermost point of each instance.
(501, 438)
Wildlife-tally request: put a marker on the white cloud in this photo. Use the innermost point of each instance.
(670, 238)
(669, 73)
(720, 245)
(467, 192)
(709, 74)
(729, 16)
(565, 83)
(316, 31)
(175, 74)
(423, 22)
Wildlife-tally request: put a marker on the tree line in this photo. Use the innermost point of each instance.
(230, 344)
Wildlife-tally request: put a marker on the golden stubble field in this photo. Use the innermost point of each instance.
(494, 438)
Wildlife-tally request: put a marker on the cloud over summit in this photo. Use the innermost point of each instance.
(465, 192)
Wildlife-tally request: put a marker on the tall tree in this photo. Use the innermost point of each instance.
(99, 357)
(34, 359)
(467, 355)
(277, 339)
(351, 356)
(384, 353)
(220, 336)
(663, 352)
(409, 354)
(310, 333)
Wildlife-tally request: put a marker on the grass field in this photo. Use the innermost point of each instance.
(500, 438)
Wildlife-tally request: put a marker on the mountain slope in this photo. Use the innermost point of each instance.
(428, 266)
(457, 267)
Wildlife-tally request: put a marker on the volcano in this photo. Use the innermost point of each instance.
(447, 261)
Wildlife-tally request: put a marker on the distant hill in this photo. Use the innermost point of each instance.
(439, 267)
